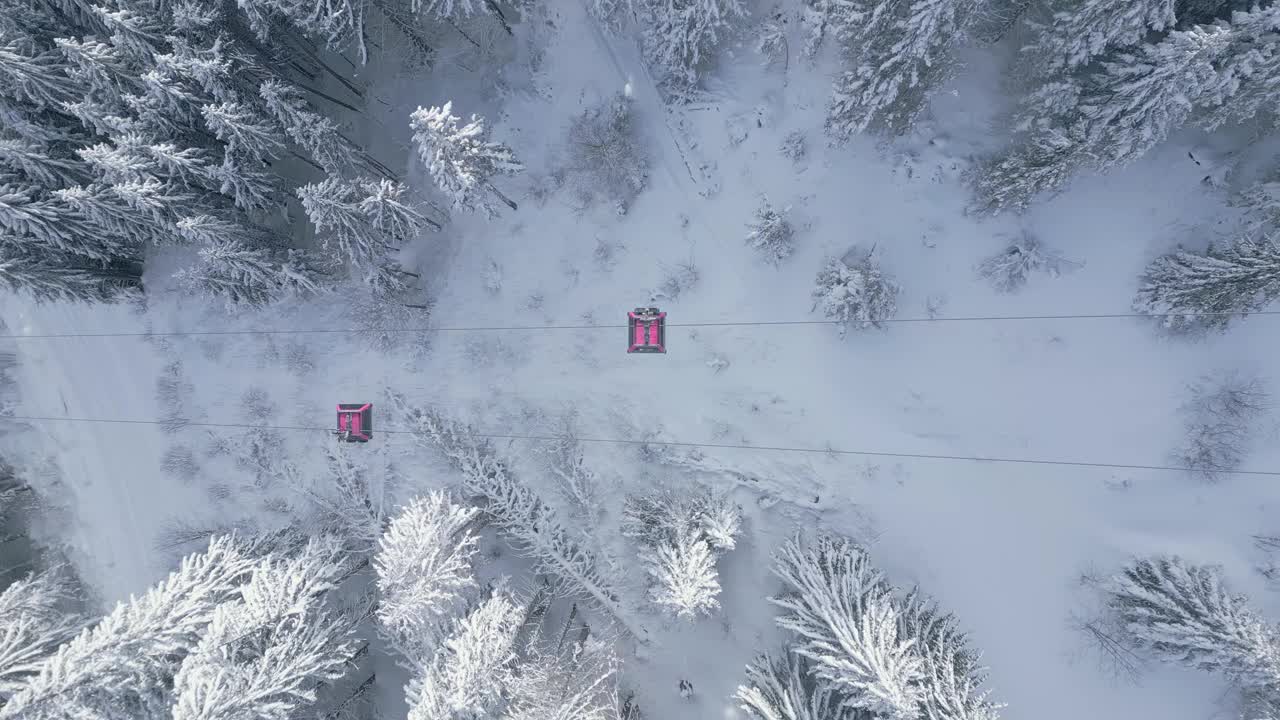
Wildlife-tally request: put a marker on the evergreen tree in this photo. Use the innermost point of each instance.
(515, 508)
(263, 655)
(313, 132)
(784, 688)
(470, 674)
(771, 233)
(245, 276)
(680, 35)
(60, 279)
(858, 295)
(462, 160)
(1248, 78)
(1182, 612)
(848, 627)
(424, 572)
(1074, 32)
(33, 623)
(685, 577)
(895, 51)
(1223, 281)
(123, 665)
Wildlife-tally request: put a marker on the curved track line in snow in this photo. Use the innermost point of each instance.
(672, 443)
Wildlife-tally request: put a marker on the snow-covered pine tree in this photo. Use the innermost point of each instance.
(34, 622)
(681, 35)
(843, 611)
(1068, 34)
(895, 52)
(362, 220)
(858, 295)
(318, 135)
(681, 535)
(1246, 83)
(265, 654)
(125, 663)
(1180, 288)
(1183, 613)
(1139, 97)
(771, 233)
(783, 687)
(563, 676)
(1040, 163)
(56, 226)
(953, 676)
(243, 276)
(1008, 269)
(514, 507)
(1261, 204)
(685, 580)
(34, 161)
(424, 569)
(462, 159)
(51, 277)
(471, 672)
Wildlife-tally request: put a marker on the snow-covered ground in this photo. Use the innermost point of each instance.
(1002, 545)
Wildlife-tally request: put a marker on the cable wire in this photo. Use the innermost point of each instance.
(742, 323)
(625, 441)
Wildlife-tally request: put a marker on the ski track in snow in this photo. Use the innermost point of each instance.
(999, 545)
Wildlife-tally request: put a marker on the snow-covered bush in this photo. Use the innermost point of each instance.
(681, 535)
(462, 159)
(795, 146)
(771, 233)
(682, 277)
(424, 568)
(514, 507)
(1183, 613)
(607, 153)
(1189, 292)
(1008, 269)
(858, 295)
(681, 35)
(1220, 414)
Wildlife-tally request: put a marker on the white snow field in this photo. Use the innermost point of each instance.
(1001, 544)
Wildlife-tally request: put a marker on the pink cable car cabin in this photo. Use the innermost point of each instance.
(355, 422)
(646, 331)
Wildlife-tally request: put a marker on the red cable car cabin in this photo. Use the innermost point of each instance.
(355, 422)
(646, 331)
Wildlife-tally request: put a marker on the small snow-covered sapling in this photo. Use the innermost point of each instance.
(1008, 269)
(860, 295)
(772, 234)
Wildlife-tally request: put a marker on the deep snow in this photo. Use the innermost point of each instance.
(1000, 545)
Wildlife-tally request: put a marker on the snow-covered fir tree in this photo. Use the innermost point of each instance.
(265, 654)
(539, 533)
(125, 663)
(1183, 613)
(461, 159)
(64, 280)
(1189, 292)
(681, 535)
(424, 569)
(895, 52)
(783, 687)
(241, 276)
(848, 626)
(1040, 163)
(859, 295)
(34, 621)
(361, 221)
(685, 578)
(1246, 84)
(771, 232)
(471, 673)
(681, 35)
(1069, 33)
